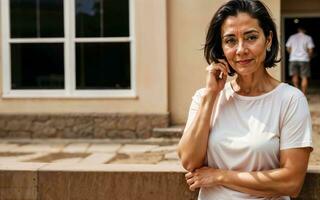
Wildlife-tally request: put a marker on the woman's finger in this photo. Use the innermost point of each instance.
(225, 63)
(210, 67)
(217, 66)
(224, 77)
(190, 181)
(188, 175)
(194, 186)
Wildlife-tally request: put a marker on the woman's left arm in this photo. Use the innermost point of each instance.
(284, 181)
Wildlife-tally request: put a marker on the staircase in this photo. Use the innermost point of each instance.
(169, 132)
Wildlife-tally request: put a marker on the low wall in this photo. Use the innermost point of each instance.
(80, 125)
(34, 181)
(93, 125)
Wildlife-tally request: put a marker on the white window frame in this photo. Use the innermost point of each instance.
(69, 41)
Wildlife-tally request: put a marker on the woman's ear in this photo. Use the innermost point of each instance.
(269, 39)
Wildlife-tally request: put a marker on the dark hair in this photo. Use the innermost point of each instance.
(301, 27)
(257, 10)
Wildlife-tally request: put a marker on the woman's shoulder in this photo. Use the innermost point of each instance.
(290, 96)
(290, 92)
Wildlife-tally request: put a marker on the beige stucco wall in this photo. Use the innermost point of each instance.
(296, 6)
(151, 74)
(162, 85)
(187, 24)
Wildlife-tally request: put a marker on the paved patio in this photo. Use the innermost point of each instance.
(155, 151)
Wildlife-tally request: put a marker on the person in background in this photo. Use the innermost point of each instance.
(248, 138)
(300, 47)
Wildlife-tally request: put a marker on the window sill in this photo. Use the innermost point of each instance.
(61, 94)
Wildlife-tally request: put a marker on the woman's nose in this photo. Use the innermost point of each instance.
(241, 48)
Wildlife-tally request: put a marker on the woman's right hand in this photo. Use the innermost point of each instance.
(217, 76)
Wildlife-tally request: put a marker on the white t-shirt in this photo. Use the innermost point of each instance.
(299, 44)
(248, 132)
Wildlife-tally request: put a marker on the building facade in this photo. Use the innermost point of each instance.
(97, 68)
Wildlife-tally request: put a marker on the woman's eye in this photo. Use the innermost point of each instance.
(230, 41)
(252, 37)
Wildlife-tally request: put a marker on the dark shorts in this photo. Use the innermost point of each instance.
(299, 68)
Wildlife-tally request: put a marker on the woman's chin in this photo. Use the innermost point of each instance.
(245, 71)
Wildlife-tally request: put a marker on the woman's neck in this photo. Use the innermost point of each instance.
(254, 84)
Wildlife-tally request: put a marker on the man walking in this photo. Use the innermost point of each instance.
(300, 47)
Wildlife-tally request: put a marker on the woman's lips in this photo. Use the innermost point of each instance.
(244, 62)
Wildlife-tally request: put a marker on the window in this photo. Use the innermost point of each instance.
(68, 48)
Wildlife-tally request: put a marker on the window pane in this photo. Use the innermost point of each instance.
(51, 18)
(103, 65)
(36, 18)
(102, 18)
(37, 66)
(23, 18)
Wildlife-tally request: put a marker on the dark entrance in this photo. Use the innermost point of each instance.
(312, 25)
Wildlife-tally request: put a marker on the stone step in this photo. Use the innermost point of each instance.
(35, 181)
(177, 131)
(169, 132)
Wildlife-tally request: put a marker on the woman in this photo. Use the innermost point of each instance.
(249, 138)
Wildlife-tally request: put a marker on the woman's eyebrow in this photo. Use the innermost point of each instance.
(228, 35)
(251, 31)
(245, 33)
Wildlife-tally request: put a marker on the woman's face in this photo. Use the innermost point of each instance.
(244, 44)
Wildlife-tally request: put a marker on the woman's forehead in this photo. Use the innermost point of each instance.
(239, 24)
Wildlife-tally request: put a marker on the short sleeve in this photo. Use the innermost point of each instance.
(194, 107)
(289, 42)
(296, 130)
(310, 43)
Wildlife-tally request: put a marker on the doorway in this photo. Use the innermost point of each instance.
(312, 26)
